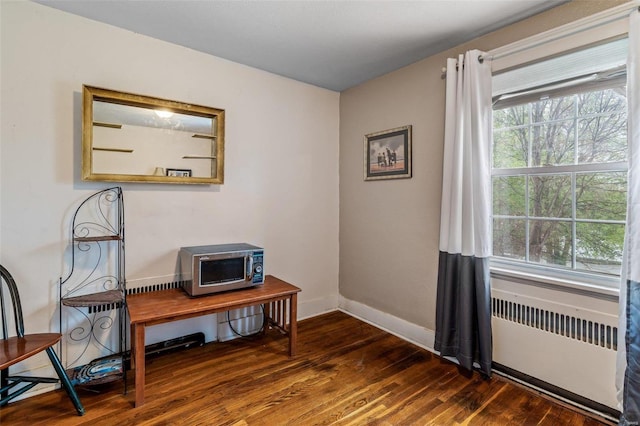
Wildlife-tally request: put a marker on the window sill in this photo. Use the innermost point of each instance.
(560, 284)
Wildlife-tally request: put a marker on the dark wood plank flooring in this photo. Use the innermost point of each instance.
(346, 372)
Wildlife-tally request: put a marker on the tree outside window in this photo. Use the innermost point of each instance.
(560, 181)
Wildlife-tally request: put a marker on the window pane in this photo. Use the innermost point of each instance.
(550, 242)
(510, 148)
(509, 195)
(553, 109)
(602, 138)
(553, 144)
(550, 196)
(599, 247)
(601, 196)
(610, 100)
(561, 219)
(511, 117)
(509, 238)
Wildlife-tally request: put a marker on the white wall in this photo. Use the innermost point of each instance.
(281, 174)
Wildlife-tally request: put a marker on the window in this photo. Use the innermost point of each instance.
(559, 177)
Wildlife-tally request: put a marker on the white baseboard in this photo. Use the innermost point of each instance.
(413, 333)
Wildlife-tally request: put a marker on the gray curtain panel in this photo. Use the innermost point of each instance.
(463, 310)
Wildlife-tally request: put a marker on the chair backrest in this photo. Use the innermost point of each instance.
(14, 303)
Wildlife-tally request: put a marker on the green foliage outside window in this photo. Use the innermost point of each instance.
(560, 182)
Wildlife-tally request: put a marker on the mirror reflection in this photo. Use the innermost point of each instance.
(129, 137)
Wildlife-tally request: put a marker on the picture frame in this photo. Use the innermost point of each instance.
(179, 172)
(387, 154)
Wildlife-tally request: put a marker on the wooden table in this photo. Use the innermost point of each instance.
(158, 307)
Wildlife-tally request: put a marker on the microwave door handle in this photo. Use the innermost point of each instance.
(249, 267)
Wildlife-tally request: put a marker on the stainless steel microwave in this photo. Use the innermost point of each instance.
(215, 268)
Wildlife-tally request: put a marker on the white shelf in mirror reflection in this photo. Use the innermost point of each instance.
(118, 122)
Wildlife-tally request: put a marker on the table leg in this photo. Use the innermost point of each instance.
(293, 324)
(138, 357)
(266, 317)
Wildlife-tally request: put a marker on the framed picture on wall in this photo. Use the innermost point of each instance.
(179, 172)
(387, 154)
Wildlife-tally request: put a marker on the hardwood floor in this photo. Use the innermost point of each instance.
(346, 373)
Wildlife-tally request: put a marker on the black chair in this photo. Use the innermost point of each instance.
(20, 347)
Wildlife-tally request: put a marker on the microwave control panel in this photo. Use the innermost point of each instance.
(258, 268)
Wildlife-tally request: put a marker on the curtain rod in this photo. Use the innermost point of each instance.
(584, 24)
(576, 27)
(444, 69)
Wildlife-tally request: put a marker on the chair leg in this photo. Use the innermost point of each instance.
(64, 379)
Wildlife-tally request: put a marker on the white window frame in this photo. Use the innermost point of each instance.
(596, 282)
(606, 25)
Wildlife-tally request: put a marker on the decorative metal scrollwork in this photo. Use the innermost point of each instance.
(87, 335)
(95, 285)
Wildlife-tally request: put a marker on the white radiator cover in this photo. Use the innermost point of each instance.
(566, 340)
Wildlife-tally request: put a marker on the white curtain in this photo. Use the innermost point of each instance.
(628, 371)
(463, 315)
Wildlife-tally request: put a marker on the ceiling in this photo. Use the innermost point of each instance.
(330, 44)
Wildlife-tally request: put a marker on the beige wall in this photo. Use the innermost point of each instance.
(389, 230)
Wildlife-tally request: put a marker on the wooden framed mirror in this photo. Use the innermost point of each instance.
(135, 138)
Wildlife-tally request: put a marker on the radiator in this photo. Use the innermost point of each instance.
(568, 346)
